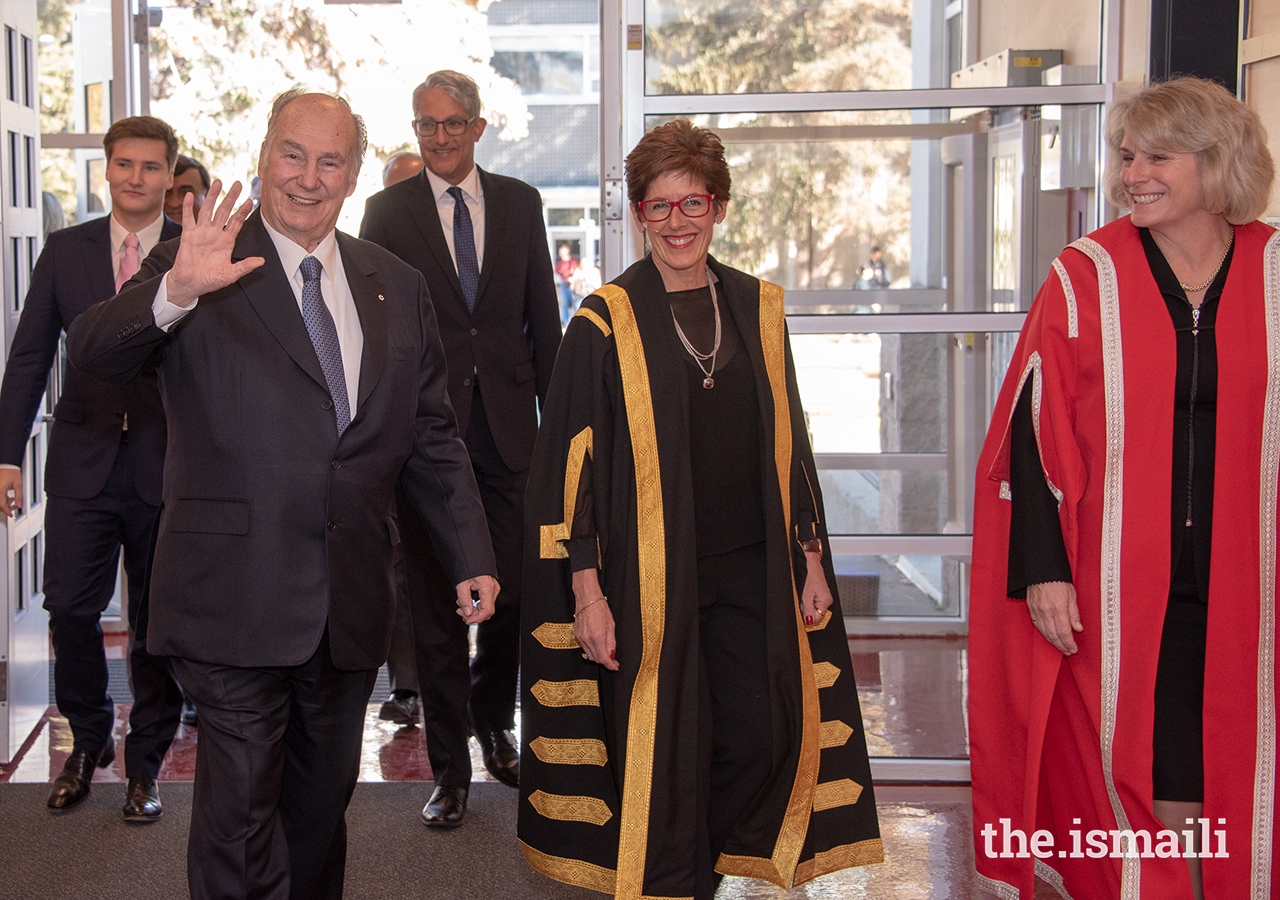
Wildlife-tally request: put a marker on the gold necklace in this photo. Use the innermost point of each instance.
(1216, 269)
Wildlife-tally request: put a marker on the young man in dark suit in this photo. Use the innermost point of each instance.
(103, 472)
(480, 241)
(302, 377)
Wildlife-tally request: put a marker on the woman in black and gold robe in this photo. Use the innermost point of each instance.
(689, 708)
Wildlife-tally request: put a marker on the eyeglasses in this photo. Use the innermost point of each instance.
(455, 127)
(695, 206)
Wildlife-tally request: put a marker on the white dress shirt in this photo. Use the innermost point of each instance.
(147, 240)
(475, 205)
(333, 288)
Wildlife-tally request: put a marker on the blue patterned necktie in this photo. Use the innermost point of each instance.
(464, 248)
(324, 337)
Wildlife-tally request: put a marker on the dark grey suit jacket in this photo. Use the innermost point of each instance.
(73, 273)
(510, 341)
(272, 526)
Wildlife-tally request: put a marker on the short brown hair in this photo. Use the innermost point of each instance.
(682, 148)
(147, 128)
(1192, 115)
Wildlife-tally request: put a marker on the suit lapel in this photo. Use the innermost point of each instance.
(272, 297)
(426, 216)
(495, 225)
(98, 260)
(367, 292)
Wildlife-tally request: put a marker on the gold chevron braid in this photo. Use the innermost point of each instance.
(551, 536)
(824, 673)
(863, 853)
(570, 809)
(583, 692)
(833, 733)
(556, 636)
(569, 751)
(830, 794)
(571, 871)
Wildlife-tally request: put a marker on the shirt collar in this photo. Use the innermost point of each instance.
(470, 185)
(292, 254)
(147, 237)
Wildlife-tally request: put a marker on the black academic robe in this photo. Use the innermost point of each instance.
(609, 776)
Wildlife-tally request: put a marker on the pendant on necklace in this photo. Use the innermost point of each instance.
(708, 382)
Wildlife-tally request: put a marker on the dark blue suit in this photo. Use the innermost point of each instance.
(103, 486)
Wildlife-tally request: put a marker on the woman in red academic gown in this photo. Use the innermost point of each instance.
(1123, 624)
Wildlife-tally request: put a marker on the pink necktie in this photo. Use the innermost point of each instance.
(129, 261)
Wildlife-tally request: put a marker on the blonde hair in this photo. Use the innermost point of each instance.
(1191, 115)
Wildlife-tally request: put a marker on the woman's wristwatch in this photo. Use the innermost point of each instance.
(813, 546)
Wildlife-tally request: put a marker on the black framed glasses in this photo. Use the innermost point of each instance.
(455, 127)
(695, 206)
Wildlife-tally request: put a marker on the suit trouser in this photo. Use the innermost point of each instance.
(276, 764)
(83, 542)
(452, 703)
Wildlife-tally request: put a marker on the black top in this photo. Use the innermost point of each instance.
(1036, 551)
(724, 439)
(724, 430)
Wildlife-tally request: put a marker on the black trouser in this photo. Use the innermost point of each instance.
(736, 719)
(83, 542)
(276, 764)
(453, 700)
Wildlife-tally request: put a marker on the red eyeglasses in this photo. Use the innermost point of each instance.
(695, 206)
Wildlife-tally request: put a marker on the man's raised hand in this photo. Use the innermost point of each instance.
(203, 263)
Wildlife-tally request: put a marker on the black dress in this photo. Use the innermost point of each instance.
(1037, 554)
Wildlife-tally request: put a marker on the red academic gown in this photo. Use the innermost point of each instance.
(1064, 743)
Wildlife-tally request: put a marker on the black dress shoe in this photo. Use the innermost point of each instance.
(446, 807)
(72, 784)
(501, 757)
(189, 716)
(403, 710)
(142, 800)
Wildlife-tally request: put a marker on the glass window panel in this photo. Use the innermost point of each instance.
(10, 63)
(874, 393)
(15, 271)
(58, 180)
(95, 108)
(29, 169)
(885, 501)
(28, 90)
(15, 169)
(76, 51)
(867, 211)
(791, 46)
(899, 585)
(20, 584)
(814, 195)
(564, 217)
(96, 186)
(541, 71)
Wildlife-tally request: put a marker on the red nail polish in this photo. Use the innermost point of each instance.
(613, 654)
(808, 620)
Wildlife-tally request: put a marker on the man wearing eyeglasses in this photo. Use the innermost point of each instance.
(480, 241)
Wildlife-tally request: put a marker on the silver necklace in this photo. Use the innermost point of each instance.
(1216, 269)
(708, 382)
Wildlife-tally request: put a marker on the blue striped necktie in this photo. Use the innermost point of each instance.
(324, 337)
(464, 248)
